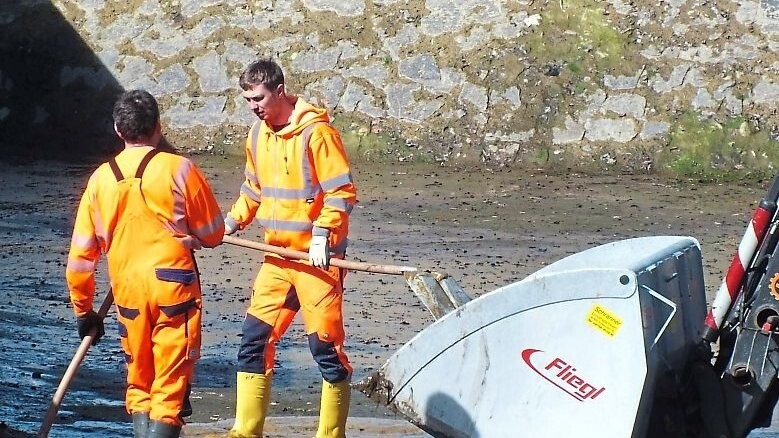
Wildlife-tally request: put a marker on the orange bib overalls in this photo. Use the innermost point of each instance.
(158, 299)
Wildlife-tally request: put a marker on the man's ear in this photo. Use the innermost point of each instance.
(280, 90)
(116, 130)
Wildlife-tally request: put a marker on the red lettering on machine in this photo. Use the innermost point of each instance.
(563, 375)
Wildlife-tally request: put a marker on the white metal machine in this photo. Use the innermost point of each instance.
(573, 350)
(615, 341)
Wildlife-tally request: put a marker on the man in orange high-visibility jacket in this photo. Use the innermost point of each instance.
(299, 186)
(147, 210)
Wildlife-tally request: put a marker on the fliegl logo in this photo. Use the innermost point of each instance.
(561, 374)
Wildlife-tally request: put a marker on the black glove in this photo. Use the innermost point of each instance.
(89, 321)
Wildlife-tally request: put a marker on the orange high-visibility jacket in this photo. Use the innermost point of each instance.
(174, 190)
(298, 182)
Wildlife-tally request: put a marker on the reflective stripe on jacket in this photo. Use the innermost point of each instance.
(298, 181)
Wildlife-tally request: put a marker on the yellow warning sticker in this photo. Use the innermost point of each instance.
(603, 320)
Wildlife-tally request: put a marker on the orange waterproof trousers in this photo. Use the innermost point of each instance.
(281, 289)
(161, 340)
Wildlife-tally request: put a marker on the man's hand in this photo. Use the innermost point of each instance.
(190, 242)
(89, 321)
(319, 253)
(230, 226)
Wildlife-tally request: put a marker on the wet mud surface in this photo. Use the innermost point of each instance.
(486, 229)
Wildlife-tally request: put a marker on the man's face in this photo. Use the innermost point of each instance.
(263, 101)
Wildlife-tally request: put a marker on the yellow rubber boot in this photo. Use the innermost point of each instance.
(334, 409)
(251, 405)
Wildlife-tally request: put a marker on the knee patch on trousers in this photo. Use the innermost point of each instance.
(251, 354)
(326, 357)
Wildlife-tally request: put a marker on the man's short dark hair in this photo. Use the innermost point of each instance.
(263, 72)
(136, 115)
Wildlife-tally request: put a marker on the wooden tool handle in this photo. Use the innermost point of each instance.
(300, 255)
(75, 363)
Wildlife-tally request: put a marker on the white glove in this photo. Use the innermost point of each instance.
(230, 227)
(318, 252)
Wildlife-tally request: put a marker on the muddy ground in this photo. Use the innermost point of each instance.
(484, 228)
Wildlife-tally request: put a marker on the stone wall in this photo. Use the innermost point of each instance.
(584, 83)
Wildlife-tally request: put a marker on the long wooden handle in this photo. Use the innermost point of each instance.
(75, 363)
(300, 255)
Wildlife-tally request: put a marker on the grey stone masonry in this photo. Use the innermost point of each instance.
(501, 77)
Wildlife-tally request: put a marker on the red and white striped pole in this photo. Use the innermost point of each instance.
(732, 283)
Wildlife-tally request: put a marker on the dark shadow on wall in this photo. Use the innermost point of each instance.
(55, 94)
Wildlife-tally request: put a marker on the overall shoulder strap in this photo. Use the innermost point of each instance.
(115, 168)
(141, 167)
(145, 161)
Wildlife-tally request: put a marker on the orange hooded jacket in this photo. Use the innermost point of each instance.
(298, 182)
